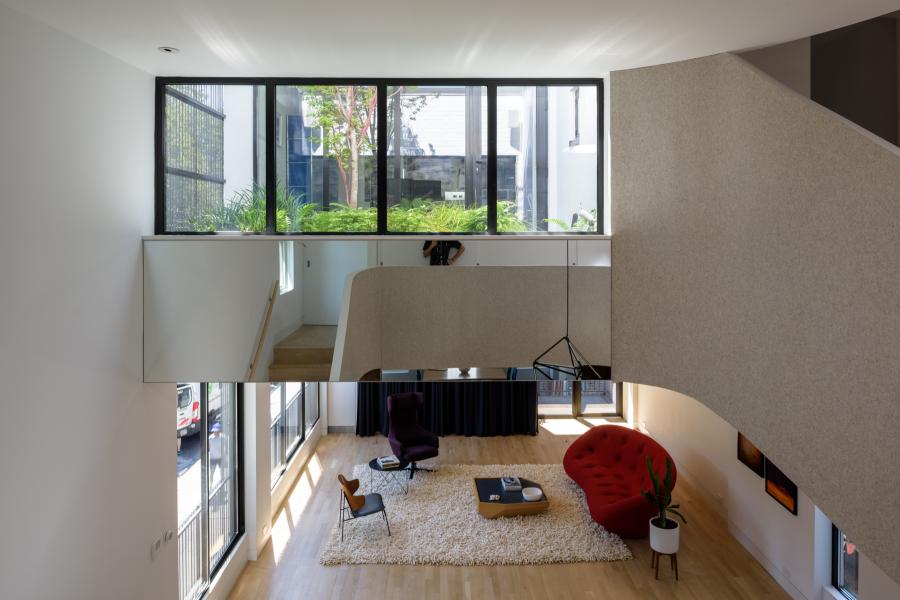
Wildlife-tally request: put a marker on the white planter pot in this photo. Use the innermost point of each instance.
(664, 541)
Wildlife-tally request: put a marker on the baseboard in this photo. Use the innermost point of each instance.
(786, 584)
(342, 429)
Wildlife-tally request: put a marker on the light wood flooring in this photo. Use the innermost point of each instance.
(712, 564)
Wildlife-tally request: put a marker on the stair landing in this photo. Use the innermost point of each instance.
(305, 355)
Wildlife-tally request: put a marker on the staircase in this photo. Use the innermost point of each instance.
(305, 355)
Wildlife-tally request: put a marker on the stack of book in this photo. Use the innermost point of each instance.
(388, 462)
(511, 484)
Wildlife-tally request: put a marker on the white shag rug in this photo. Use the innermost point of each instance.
(437, 523)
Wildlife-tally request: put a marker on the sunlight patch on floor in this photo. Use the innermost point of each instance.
(281, 534)
(314, 468)
(299, 497)
(564, 426)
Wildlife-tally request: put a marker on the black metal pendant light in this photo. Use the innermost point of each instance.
(578, 366)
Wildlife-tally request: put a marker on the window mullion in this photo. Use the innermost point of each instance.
(204, 480)
(492, 158)
(271, 136)
(381, 150)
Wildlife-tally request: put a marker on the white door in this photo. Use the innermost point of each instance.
(326, 265)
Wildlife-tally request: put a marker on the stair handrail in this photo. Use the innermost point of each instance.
(270, 304)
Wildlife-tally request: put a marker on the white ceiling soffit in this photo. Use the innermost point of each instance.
(434, 38)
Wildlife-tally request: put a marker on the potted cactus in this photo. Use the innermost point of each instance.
(664, 532)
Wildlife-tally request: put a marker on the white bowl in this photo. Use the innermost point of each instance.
(532, 494)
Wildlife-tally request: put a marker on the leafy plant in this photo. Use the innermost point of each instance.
(246, 211)
(661, 494)
(582, 223)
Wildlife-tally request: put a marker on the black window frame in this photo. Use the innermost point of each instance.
(270, 84)
(209, 571)
(289, 449)
(837, 550)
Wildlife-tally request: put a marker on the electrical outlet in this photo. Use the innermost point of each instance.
(154, 548)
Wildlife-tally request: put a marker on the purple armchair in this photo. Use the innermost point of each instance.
(409, 440)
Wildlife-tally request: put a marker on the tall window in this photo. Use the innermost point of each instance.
(588, 398)
(325, 141)
(437, 158)
(547, 158)
(285, 266)
(845, 564)
(209, 516)
(211, 180)
(410, 156)
(294, 409)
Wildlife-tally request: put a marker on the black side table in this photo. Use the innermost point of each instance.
(381, 478)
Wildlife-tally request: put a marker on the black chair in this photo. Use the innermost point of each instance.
(355, 507)
(409, 440)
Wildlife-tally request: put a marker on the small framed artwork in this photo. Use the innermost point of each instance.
(750, 455)
(780, 487)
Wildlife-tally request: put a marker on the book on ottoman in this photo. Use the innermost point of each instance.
(511, 484)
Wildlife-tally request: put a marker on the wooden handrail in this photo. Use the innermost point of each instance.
(270, 304)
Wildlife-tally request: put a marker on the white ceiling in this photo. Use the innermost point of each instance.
(434, 38)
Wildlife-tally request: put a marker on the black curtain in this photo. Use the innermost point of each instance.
(455, 408)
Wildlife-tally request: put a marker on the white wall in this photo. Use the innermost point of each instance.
(794, 549)
(342, 405)
(789, 63)
(325, 267)
(204, 303)
(88, 451)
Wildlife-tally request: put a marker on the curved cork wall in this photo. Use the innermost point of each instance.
(431, 318)
(756, 256)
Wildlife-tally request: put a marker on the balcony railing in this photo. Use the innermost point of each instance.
(190, 556)
(222, 525)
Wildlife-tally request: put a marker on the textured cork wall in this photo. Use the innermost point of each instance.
(756, 267)
(479, 316)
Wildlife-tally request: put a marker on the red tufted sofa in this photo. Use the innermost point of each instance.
(609, 463)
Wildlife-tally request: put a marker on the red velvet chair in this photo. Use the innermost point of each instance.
(609, 463)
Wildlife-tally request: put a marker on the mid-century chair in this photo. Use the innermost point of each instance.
(354, 507)
(409, 440)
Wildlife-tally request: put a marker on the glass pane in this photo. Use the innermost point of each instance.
(190, 489)
(212, 142)
(276, 430)
(437, 158)
(293, 416)
(312, 406)
(555, 397)
(547, 158)
(325, 151)
(598, 397)
(848, 569)
(223, 469)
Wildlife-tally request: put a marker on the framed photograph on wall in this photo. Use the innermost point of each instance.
(750, 455)
(780, 487)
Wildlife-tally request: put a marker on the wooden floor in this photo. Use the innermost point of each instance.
(712, 564)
